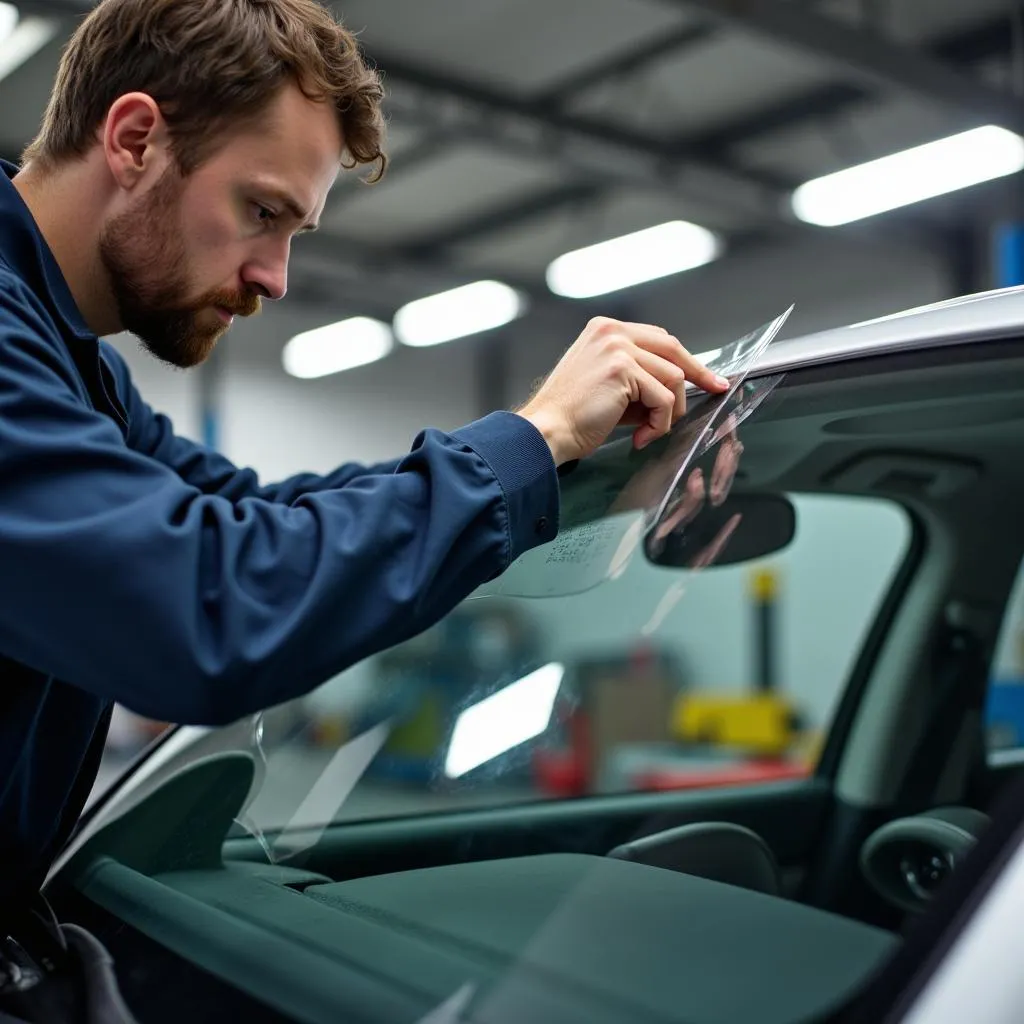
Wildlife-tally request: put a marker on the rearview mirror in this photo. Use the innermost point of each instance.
(744, 528)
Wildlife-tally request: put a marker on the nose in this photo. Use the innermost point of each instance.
(267, 276)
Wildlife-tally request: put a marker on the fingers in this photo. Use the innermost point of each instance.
(659, 402)
(658, 340)
(667, 373)
(697, 373)
(615, 373)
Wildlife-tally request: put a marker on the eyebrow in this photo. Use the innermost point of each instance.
(293, 206)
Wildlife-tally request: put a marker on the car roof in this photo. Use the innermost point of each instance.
(982, 317)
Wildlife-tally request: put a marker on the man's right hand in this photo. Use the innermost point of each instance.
(615, 373)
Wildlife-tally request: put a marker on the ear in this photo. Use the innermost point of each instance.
(136, 141)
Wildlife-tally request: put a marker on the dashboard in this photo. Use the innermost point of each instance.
(560, 937)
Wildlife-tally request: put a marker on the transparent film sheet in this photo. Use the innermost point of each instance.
(697, 519)
(613, 499)
(690, 489)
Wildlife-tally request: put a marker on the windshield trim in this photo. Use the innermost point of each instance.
(923, 331)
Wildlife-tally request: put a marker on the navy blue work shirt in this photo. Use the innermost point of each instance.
(145, 569)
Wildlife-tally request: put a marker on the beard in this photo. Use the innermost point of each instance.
(143, 252)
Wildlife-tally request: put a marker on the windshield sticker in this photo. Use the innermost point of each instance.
(581, 557)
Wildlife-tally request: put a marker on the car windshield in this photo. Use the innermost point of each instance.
(661, 643)
(645, 649)
(727, 632)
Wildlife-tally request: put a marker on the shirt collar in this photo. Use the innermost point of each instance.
(26, 252)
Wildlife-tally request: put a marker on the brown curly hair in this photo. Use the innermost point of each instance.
(212, 66)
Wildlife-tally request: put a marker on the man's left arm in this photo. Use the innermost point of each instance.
(153, 434)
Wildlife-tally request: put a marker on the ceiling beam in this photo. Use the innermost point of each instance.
(868, 57)
(382, 278)
(350, 186)
(558, 95)
(985, 41)
(873, 60)
(821, 104)
(609, 69)
(589, 147)
(989, 40)
(498, 218)
(596, 153)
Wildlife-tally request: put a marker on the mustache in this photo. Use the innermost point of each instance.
(236, 303)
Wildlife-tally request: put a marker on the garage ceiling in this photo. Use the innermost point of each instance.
(522, 128)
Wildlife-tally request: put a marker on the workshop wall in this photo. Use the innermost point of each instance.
(171, 392)
(280, 425)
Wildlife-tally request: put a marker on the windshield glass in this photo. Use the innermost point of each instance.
(658, 644)
(807, 580)
(675, 636)
(735, 634)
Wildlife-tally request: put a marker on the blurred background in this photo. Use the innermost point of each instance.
(522, 133)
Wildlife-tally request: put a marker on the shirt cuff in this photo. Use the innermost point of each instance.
(519, 457)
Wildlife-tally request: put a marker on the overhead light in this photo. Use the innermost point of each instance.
(502, 721)
(923, 172)
(336, 347)
(8, 20)
(21, 38)
(471, 309)
(629, 260)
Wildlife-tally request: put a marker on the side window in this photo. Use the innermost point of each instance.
(1004, 712)
(658, 679)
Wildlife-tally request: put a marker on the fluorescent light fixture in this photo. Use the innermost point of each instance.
(21, 38)
(923, 172)
(473, 308)
(502, 721)
(629, 260)
(8, 20)
(336, 347)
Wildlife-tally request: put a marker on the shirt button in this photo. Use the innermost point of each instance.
(542, 524)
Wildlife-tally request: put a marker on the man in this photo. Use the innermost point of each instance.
(185, 144)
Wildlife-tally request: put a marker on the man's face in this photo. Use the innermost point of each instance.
(191, 253)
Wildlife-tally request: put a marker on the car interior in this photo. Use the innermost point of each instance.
(776, 902)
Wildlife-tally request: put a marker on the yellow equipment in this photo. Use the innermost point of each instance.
(757, 723)
(761, 722)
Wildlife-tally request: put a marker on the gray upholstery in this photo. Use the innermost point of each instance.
(718, 850)
(560, 938)
(623, 937)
